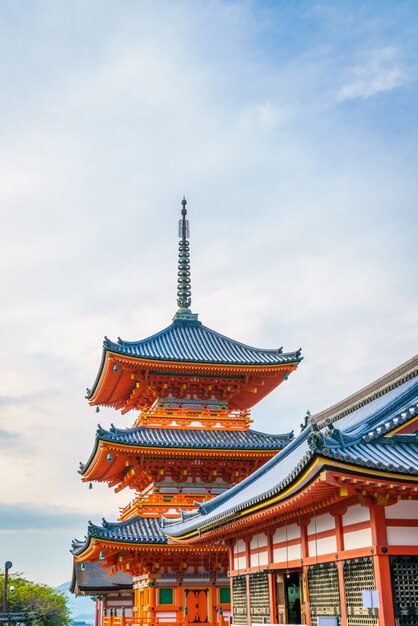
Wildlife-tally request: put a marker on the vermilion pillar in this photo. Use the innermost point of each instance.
(247, 578)
(382, 566)
(271, 579)
(231, 545)
(152, 600)
(303, 523)
(178, 600)
(339, 533)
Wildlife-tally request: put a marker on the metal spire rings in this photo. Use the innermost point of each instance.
(184, 294)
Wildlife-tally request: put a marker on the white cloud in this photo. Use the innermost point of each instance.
(380, 70)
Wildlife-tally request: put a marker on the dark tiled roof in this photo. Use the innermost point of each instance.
(190, 341)
(191, 438)
(194, 438)
(349, 439)
(383, 454)
(138, 530)
(88, 577)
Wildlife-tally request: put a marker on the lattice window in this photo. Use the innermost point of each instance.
(259, 597)
(239, 599)
(324, 591)
(404, 571)
(359, 575)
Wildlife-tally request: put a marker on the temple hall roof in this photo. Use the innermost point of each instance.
(356, 439)
(89, 578)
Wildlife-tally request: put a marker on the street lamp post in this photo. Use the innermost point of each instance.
(7, 566)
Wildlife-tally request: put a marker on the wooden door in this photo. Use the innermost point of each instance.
(281, 599)
(196, 602)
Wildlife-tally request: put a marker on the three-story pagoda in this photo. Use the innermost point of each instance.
(191, 389)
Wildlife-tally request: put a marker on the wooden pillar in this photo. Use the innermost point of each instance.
(271, 579)
(382, 566)
(378, 524)
(247, 578)
(98, 612)
(384, 585)
(231, 545)
(143, 607)
(178, 600)
(247, 584)
(231, 568)
(303, 523)
(339, 532)
(137, 605)
(272, 597)
(152, 600)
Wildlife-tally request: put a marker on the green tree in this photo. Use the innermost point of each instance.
(50, 605)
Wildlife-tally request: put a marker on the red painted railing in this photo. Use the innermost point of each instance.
(117, 620)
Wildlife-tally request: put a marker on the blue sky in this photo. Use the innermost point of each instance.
(292, 130)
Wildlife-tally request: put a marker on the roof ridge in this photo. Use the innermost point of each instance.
(365, 395)
(373, 420)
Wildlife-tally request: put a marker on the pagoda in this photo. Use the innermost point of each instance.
(191, 390)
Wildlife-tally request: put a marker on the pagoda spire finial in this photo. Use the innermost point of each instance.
(184, 294)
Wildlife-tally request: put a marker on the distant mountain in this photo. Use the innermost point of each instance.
(82, 607)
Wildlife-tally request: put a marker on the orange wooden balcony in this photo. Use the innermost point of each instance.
(156, 504)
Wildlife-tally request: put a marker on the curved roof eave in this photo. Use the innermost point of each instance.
(193, 439)
(201, 345)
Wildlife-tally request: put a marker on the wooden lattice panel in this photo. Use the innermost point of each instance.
(359, 575)
(239, 600)
(259, 598)
(404, 571)
(324, 592)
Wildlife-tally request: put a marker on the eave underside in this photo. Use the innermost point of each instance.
(138, 558)
(325, 490)
(128, 463)
(128, 383)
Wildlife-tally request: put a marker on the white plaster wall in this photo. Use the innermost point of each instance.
(279, 555)
(261, 558)
(323, 522)
(240, 562)
(293, 552)
(404, 509)
(293, 532)
(356, 514)
(358, 539)
(258, 541)
(166, 616)
(239, 546)
(402, 536)
(324, 545)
